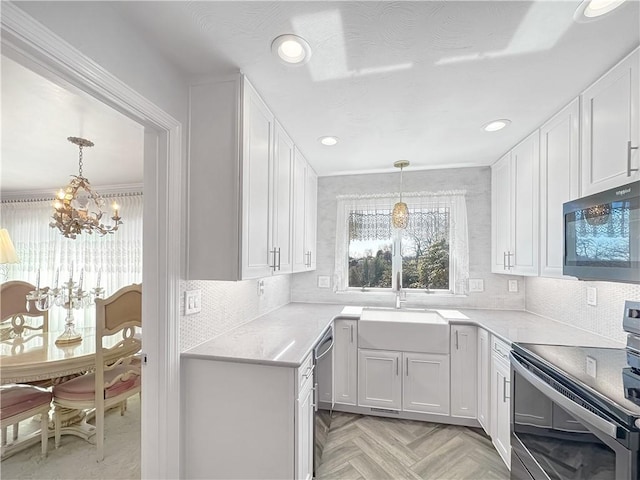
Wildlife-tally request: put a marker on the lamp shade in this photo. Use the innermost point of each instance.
(400, 215)
(7, 250)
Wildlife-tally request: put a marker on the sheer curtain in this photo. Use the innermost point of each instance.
(39, 247)
(378, 207)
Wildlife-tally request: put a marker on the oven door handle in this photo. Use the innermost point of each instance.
(573, 408)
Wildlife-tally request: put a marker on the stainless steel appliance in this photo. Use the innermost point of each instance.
(323, 359)
(602, 235)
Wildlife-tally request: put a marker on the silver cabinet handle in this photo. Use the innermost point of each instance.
(504, 260)
(457, 345)
(504, 389)
(278, 258)
(629, 169)
(407, 366)
(315, 398)
(397, 366)
(351, 331)
(307, 374)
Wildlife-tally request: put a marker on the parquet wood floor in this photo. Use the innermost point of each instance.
(373, 448)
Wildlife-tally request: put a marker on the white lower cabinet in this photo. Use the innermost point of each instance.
(425, 386)
(345, 362)
(484, 380)
(304, 432)
(411, 382)
(464, 380)
(379, 379)
(501, 400)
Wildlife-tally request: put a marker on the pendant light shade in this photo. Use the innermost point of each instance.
(400, 214)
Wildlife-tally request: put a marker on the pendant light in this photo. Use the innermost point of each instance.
(400, 215)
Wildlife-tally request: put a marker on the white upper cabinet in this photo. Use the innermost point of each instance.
(305, 206)
(241, 171)
(515, 179)
(611, 128)
(559, 183)
(281, 250)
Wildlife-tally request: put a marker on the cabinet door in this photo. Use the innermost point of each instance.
(500, 214)
(484, 379)
(525, 171)
(299, 197)
(559, 183)
(500, 408)
(311, 217)
(282, 178)
(610, 111)
(257, 130)
(345, 358)
(426, 383)
(464, 380)
(379, 379)
(304, 433)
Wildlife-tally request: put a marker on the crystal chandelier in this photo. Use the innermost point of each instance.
(400, 214)
(78, 208)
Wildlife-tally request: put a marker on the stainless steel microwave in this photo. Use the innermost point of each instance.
(602, 235)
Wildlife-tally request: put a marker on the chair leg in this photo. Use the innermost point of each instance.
(15, 431)
(44, 432)
(100, 432)
(57, 420)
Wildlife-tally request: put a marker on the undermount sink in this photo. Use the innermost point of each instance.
(403, 330)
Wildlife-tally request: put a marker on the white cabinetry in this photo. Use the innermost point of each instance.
(484, 380)
(464, 380)
(281, 246)
(515, 228)
(305, 191)
(345, 360)
(305, 422)
(500, 399)
(241, 183)
(425, 386)
(380, 379)
(559, 183)
(514, 184)
(611, 128)
(411, 382)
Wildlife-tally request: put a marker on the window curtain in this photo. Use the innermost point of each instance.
(368, 217)
(117, 256)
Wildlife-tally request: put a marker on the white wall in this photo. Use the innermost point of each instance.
(477, 183)
(566, 301)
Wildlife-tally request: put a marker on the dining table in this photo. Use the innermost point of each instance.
(36, 358)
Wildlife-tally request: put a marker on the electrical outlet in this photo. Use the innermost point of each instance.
(260, 288)
(476, 285)
(591, 366)
(192, 301)
(324, 281)
(513, 286)
(592, 296)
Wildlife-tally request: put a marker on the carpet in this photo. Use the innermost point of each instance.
(76, 458)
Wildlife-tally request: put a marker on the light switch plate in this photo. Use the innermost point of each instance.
(513, 286)
(192, 301)
(592, 296)
(324, 281)
(476, 285)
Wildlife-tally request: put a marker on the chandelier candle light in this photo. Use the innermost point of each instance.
(400, 215)
(69, 295)
(78, 208)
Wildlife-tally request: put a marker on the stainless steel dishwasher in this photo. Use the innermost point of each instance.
(323, 358)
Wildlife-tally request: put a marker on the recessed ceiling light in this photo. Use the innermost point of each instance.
(328, 141)
(590, 10)
(496, 125)
(291, 49)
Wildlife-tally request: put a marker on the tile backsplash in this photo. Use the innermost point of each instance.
(565, 300)
(225, 305)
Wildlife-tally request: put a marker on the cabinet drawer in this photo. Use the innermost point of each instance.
(305, 372)
(500, 349)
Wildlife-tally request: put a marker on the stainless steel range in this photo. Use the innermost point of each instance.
(576, 410)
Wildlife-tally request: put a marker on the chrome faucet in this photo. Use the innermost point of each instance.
(399, 292)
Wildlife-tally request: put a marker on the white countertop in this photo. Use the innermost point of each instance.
(287, 335)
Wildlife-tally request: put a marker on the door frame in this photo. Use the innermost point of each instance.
(30, 43)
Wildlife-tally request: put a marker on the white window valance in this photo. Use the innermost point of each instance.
(366, 217)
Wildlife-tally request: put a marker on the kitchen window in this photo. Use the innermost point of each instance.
(430, 255)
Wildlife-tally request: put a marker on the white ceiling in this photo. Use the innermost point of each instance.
(37, 117)
(392, 80)
(399, 80)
